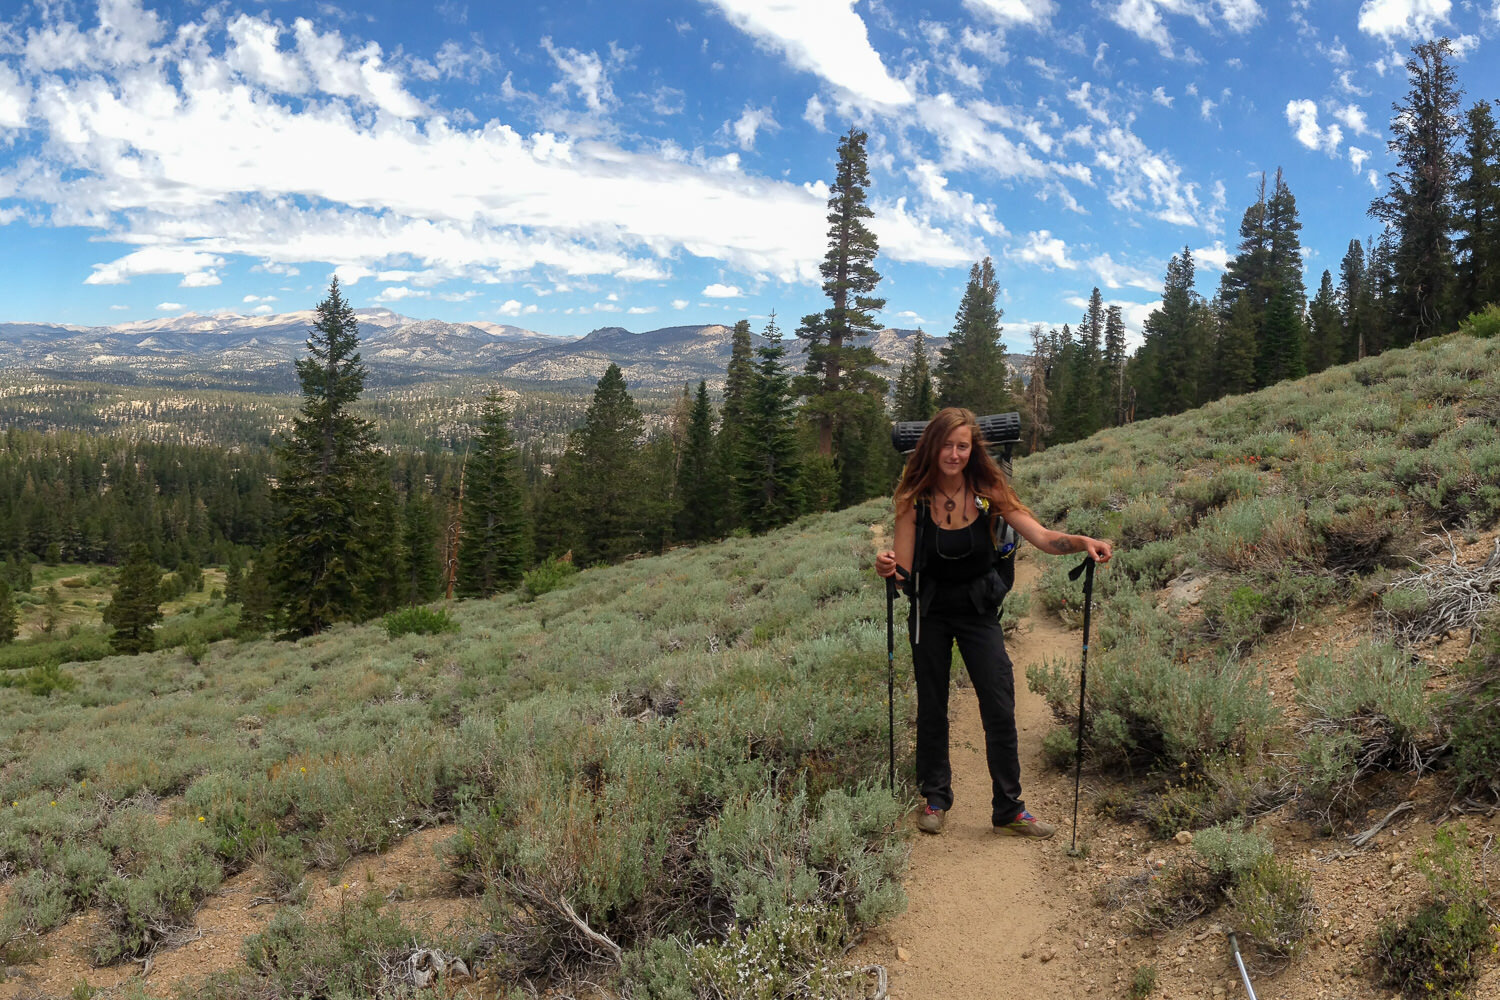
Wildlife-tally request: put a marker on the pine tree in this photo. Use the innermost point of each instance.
(1114, 366)
(234, 576)
(699, 487)
(1418, 205)
(732, 417)
(1084, 360)
(768, 475)
(421, 558)
(328, 488)
(1283, 353)
(1035, 413)
(604, 488)
(837, 382)
(1234, 351)
(257, 600)
(1477, 212)
(915, 397)
(971, 369)
(10, 615)
(52, 611)
(135, 604)
(1170, 368)
(494, 544)
(1354, 302)
(1325, 332)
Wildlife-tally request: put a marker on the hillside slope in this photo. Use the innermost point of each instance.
(691, 748)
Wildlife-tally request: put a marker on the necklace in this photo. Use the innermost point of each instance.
(950, 503)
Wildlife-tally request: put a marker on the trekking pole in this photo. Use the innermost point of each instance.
(890, 673)
(1234, 946)
(1087, 569)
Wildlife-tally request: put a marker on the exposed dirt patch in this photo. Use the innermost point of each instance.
(410, 875)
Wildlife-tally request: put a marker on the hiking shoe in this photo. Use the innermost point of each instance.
(931, 820)
(1026, 825)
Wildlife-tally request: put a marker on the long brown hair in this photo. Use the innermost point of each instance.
(982, 475)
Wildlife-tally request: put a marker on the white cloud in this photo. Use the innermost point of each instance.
(262, 310)
(1159, 95)
(1373, 179)
(751, 121)
(585, 72)
(1353, 118)
(185, 261)
(1357, 157)
(1302, 115)
(170, 307)
(1394, 20)
(1142, 19)
(910, 316)
(199, 279)
(1463, 45)
(1046, 250)
(1145, 178)
(1206, 109)
(254, 51)
(15, 98)
(679, 303)
(511, 307)
(123, 37)
(259, 298)
(640, 310)
(721, 291)
(824, 37)
(1113, 274)
(1239, 16)
(396, 293)
(1025, 13)
(1212, 258)
(815, 113)
(119, 308)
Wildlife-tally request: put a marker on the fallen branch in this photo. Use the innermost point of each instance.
(600, 939)
(1456, 598)
(1364, 838)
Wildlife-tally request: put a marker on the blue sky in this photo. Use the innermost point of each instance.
(568, 165)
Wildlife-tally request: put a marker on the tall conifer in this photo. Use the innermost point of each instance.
(10, 615)
(971, 369)
(1477, 212)
(768, 477)
(328, 488)
(916, 399)
(494, 545)
(135, 605)
(1114, 366)
(700, 491)
(1418, 206)
(605, 495)
(837, 385)
(1325, 330)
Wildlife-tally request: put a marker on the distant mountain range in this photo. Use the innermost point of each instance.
(255, 352)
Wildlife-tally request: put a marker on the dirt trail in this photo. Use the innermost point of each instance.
(990, 916)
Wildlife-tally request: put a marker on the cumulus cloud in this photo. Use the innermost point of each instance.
(1357, 157)
(1159, 95)
(1044, 249)
(170, 307)
(722, 291)
(815, 113)
(585, 73)
(512, 307)
(823, 37)
(1353, 118)
(1023, 13)
(1395, 20)
(679, 303)
(1302, 115)
(640, 310)
(1113, 274)
(186, 261)
(750, 122)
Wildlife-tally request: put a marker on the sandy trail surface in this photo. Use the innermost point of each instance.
(991, 916)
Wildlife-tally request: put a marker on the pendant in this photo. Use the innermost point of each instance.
(948, 504)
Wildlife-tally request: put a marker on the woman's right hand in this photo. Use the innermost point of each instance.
(885, 563)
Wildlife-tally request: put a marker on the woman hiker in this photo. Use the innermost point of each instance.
(960, 496)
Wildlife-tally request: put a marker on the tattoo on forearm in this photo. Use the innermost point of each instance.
(1065, 545)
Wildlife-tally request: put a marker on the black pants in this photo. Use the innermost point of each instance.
(982, 645)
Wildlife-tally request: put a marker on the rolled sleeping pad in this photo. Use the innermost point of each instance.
(998, 429)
